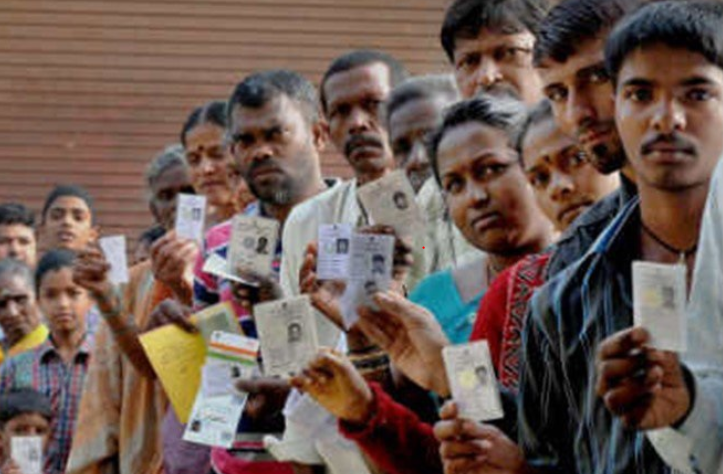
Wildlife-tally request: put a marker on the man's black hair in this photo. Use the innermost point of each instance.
(422, 88)
(152, 234)
(466, 18)
(504, 113)
(542, 112)
(359, 58)
(68, 190)
(573, 22)
(13, 213)
(258, 89)
(23, 401)
(53, 261)
(695, 26)
(213, 112)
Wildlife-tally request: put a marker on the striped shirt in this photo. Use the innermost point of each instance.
(564, 426)
(44, 370)
(208, 289)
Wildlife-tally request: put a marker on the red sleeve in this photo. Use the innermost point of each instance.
(491, 315)
(392, 435)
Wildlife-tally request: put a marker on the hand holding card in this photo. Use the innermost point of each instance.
(659, 299)
(114, 249)
(191, 216)
(472, 381)
(287, 330)
(253, 244)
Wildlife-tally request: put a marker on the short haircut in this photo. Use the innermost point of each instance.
(13, 213)
(422, 87)
(213, 112)
(501, 112)
(694, 26)
(69, 190)
(170, 157)
(573, 22)
(13, 267)
(23, 401)
(359, 58)
(258, 89)
(53, 261)
(152, 234)
(542, 112)
(466, 18)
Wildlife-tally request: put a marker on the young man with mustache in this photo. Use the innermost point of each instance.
(666, 69)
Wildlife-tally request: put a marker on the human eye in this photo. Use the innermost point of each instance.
(78, 216)
(511, 53)
(556, 94)
(599, 75)
(193, 159)
(401, 148)
(57, 214)
(469, 61)
(638, 94)
(538, 179)
(453, 185)
(699, 94)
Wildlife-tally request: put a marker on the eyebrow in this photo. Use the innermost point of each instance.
(587, 71)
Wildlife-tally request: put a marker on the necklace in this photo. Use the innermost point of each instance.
(683, 253)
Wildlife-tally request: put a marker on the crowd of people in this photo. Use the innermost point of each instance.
(569, 143)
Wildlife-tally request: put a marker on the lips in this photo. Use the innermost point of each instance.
(263, 172)
(362, 144)
(66, 236)
(485, 221)
(668, 148)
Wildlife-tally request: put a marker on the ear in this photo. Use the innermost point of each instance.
(320, 132)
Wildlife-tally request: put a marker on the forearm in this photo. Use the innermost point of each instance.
(126, 333)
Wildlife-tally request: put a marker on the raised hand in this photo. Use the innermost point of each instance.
(335, 384)
(324, 295)
(170, 311)
(645, 387)
(468, 447)
(172, 260)
(91, 272)
(411, 336)
(263, 288)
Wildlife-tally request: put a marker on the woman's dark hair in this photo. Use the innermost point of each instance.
(213, 112)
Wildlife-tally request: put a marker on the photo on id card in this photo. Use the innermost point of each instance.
(391, 201)
(253, 244)
(370, 271)
(472, 381)
(287, 331)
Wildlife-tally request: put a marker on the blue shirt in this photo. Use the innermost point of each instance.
(438, 293)
(564, 426)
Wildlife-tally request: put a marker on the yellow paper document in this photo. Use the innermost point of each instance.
(177, 356)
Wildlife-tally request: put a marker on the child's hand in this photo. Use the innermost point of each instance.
(335, 383)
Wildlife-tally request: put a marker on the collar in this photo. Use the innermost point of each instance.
(47, 349)
(616, 236)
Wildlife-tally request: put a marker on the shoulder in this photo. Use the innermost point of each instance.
(219, 234)
(323, 205)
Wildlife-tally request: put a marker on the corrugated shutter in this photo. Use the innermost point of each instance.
(90, 90)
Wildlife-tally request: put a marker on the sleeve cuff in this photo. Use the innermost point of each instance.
(356, 432)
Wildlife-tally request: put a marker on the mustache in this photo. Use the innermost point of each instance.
(361, 140)
(672, 139)
(267, 164)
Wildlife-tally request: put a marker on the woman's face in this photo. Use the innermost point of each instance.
(486, 190)
(209, 161)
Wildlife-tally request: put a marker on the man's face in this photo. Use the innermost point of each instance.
(669, 110)
(497, 63)
(209, 161)
(354, 100)
(68, 224)
(485, 188)
(164, 194)
(582, 100)
(19, 313)
(276, 149)
(18, 241)
(26, 424)
(409, 127)
(565, 182)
